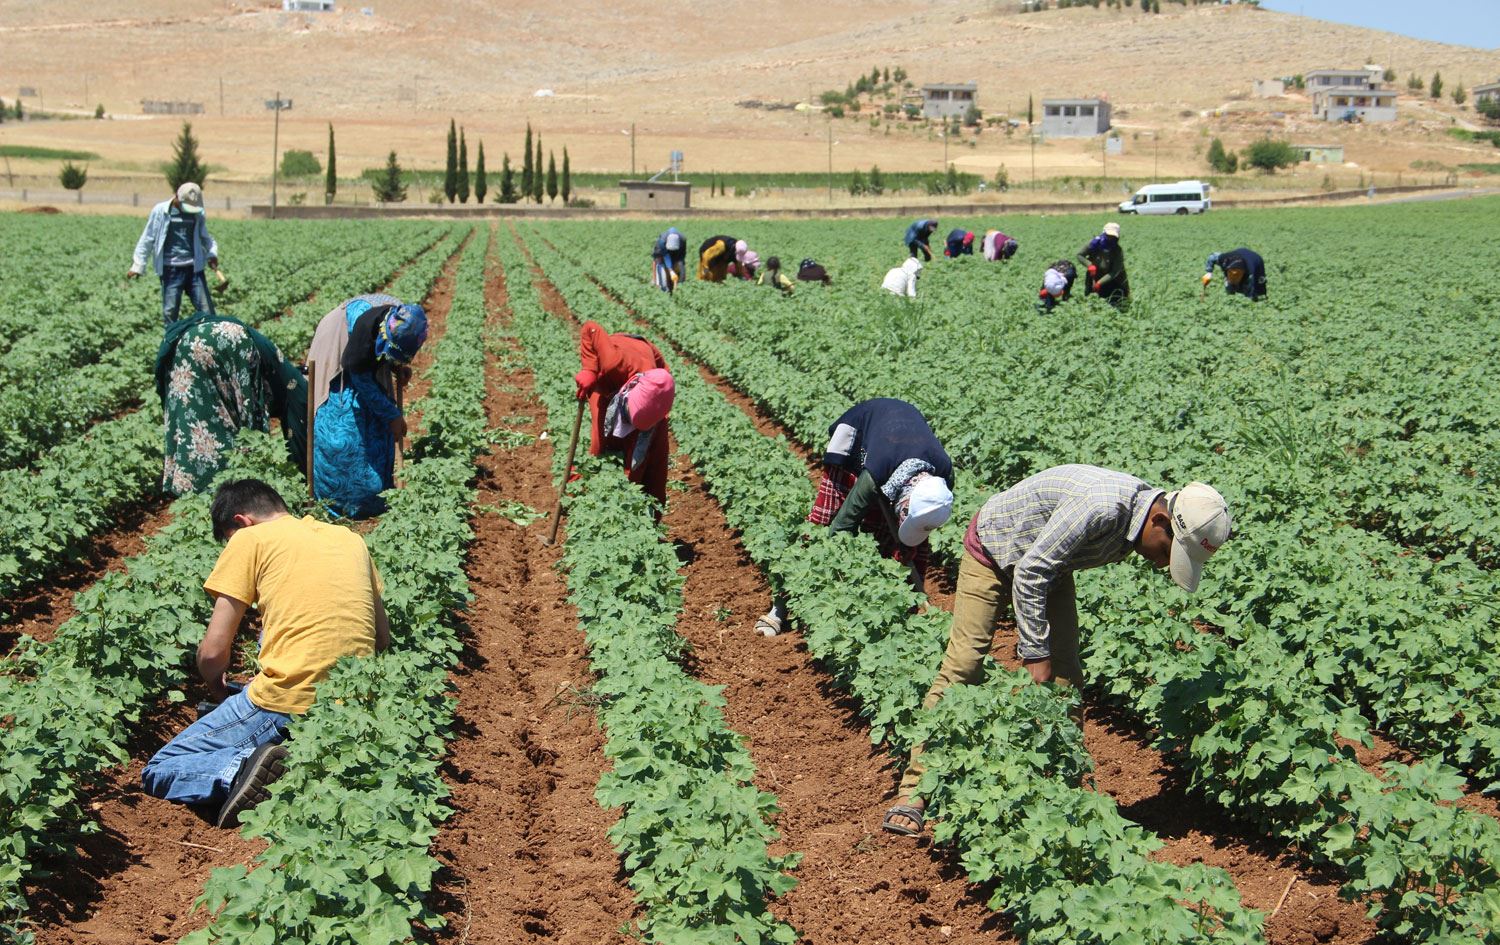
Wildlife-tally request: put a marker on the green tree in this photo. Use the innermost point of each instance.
(1459, 95)
(73, 177)
(551, 177)
(99, 111)
(1389, 75)
(295, 163)
(20, 113)
(1414, 83)
(526, 169)
(950, 183)
(567, 177)
(1436, 88)
(1268, 154)
(388, 187)
(463, 167)
(1030, 111)
(450, 165)
(507, 180)
(1490, 109)
(538, 177)
(481, 185)
(857, 184)
(973, 116)
(877, 181)
(886, 74)
(898, 74)
(1002, 176)
(185, 165)
(331, 182)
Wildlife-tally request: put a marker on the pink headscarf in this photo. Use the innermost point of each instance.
(740, 249)
(650, 400)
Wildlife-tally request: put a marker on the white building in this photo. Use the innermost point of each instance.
(307, 6)
(1074, 117)
(1351, 95)
(1488, 92)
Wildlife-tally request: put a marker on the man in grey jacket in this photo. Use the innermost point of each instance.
(177, 240)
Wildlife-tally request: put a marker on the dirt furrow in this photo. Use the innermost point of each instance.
(525, 856)
(135, 880)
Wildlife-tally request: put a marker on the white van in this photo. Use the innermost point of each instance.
(1185, 196)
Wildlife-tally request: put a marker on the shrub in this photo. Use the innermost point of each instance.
(72, 176)
(300, 164)
(1268, 154)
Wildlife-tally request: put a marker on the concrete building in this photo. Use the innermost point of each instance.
(1488, 92)
(947, 99)
(1074, 117)
(1321, 153)
(307, 6)
(1320, 80)
(656, 195)
(1268, 88)
(1370, 105)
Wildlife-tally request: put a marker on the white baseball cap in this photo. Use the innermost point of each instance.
(930, 505)
(1200, 524)
(190, 197)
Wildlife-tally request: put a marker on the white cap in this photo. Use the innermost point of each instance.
(912, 265)
(190, 197)
(930, 505)
(1112, 229)
(674, 241)
(1200, 524)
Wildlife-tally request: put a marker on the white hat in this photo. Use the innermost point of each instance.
(1200, 524)
(1112, 229)
(674, 241)
(190, 197)
(912, 265)
(930, 505)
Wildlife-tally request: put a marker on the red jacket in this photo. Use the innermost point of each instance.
(612, 360)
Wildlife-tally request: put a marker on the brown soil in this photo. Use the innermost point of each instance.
(525, 857)
(439, 299)
(135, 881)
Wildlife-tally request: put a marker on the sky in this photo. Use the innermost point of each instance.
(1461, 22)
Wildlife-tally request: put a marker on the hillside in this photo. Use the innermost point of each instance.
(676, 70)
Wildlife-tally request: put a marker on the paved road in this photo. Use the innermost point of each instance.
(1445, 195)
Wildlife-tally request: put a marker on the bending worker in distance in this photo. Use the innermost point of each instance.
(1105, 260)
(884, 471)
(960, 243)
(319, 597)
(902, 280)
(997, 246)
(669, 260)
(917, 237)
(363, 351)
(1021, 550)
(1244, 273)
(630, 393)
(715, 254)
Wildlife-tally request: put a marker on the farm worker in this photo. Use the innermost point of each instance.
(178, 244)
(917, 236)
(715, 255)
(1057, 285)
(215, 376)
(960, 243)
(1106, 267)
(1022, 548)
(809, 270)
(902, 280)
(1244, 273)
(668, 260)
(772, 276)
(996, 246)
(745, 266)
(883, 470)
(319, 598)
(363, 351)
(630, 392)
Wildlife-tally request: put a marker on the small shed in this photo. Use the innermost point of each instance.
(1322, 153)
(1074, 117)
(948, 99)
(1488, 92)
(656, 194)
(307, 6)
(1268, 88)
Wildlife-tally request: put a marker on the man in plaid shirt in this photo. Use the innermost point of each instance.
(883, 470)
(1022, 548)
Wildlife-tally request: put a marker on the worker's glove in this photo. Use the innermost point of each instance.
(1093, 272)
(1097, 286)
(585, 383)
(1042, 294)
(1207, 278)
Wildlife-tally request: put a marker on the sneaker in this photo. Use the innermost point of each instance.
(257, 773)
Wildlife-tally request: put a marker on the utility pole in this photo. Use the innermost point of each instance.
(1104, 155)
(1156, 160)
(221, 96)
(830, 160)
(1033, 160)
(632, 149)
(278, 105)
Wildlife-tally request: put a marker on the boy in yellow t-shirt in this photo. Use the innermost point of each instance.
(319, 597)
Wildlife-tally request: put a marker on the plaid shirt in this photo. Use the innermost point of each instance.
(1063, 519)
(833, 489)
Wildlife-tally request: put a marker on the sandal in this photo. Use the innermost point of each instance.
(907, 811)
(767, 626)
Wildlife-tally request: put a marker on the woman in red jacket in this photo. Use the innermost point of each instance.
(630, 392)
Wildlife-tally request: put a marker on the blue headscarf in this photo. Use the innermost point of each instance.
(401, 334)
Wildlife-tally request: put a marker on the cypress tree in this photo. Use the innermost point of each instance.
(1437, 85)
(507, 179)
(1030, 110)
(463, 168)
(185, 165)
(331, 182)
(538, 176)
(450, 169)
(552, 177)
(526, 168)
(567, 178)
(481, 186)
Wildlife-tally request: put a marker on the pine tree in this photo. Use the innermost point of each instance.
(481, 186)
(463, 167)
(567, 178)
(185, 165)
(951, 182)
(20, 114)
(1436, 89)
(538, 176)
(877, 181)
(527, 171)
(388, 186)
(1459, 95)
(507, 179)
(330, 182)
(551, 176)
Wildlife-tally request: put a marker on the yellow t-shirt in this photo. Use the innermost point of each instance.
(315, 586)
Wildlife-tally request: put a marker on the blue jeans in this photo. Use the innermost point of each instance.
(176, 279)
(198, 765)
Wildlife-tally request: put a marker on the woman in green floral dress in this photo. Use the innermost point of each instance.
(216, 376)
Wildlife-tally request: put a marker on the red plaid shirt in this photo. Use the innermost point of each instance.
(833, 489)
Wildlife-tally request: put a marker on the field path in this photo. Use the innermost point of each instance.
(135, 880)
(525, 856)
